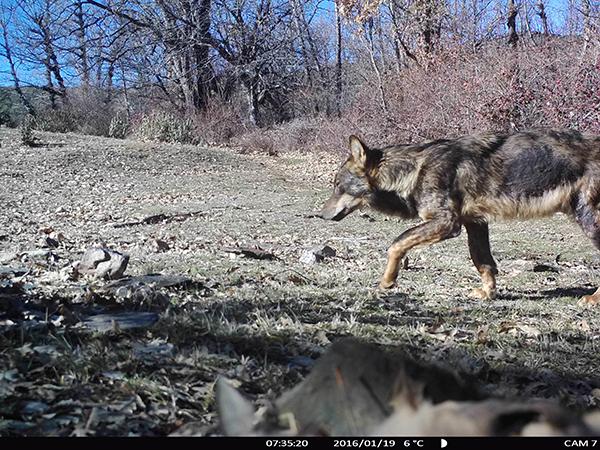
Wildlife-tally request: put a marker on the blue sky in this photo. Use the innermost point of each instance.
(556, 11)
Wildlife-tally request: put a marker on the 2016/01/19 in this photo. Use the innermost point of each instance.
(369, 443)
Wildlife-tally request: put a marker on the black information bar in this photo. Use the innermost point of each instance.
(396, 443)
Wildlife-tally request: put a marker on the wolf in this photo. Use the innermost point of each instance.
(468, 182)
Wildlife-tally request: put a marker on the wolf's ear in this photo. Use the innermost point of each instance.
(358, 150)
(236, 414)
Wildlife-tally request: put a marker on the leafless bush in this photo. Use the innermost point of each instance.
(119, 126)
(258, 141)
(461, 91)
(91, 110)
(86, 112)
(164, 126)
(57, 120)
(319, 134)
(220, 122)
(26, 129)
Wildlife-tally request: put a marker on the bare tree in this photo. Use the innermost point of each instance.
(338, 61)
(591, 16)
(543, 17)
(82, 44)
(511, 23)
(371, 49)
(6, 47)
(400, 46)
(40, 29)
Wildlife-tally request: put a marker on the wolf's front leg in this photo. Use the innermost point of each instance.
(479, 248)
(427, 233)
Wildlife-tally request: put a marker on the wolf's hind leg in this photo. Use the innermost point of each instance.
(479, 248)
(427, 233)
(588, 218)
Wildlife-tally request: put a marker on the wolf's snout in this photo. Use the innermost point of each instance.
(332, 209)
(339, 206)
(329, 214)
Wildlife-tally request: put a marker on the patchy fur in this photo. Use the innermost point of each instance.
(471, 181)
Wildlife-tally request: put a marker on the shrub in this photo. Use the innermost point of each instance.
(495, 88)
(26, 129)
(119, 126)
(57, 120)
(220, 123)
(258, 141)
(164, 126)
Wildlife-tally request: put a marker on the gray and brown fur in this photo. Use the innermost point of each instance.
(470, 181)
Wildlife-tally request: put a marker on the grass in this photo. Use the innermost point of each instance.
(260, 322)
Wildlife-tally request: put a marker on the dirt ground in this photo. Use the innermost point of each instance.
(259, 322)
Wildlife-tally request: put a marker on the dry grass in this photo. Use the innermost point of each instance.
(262, 322)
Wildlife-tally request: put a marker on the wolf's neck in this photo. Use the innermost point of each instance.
(389, 202)
(396, 173)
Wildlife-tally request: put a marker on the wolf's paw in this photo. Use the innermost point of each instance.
(480, 294)
(589, 300)
(386, 284)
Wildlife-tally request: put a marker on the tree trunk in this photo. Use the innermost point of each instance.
(380, 87)
(543, 16)
(511, 23)
(202, 56)
(51, 62)
(110, 74)
(305, 53)
(82, 52)
(338, 62)
(126, 94)
(312, 66)
(185, 36)
(250, 86)
(50, 85)
(13, 72)
(427, 30)
(586, 11)
(398, 41)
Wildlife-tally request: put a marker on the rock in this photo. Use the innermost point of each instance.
(50, 242)
(317, 254)
(308, 257)
(131, 284)
(160, 246)
(156, 349)
(545, 268)
(103, 263)
(120, 321)
(250, 252)
(10, 272)
(144, 291)
(493, 417)
(113, 268)
(7, 257)
(300, 361)
(368, 388)
(92, 257)
(35, 254)
(34, 408)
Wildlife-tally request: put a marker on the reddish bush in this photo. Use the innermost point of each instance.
(493, 89)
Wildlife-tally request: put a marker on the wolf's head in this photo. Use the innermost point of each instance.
(351, 187)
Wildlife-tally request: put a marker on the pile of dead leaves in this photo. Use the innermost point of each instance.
(358, 389)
